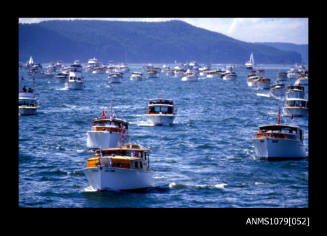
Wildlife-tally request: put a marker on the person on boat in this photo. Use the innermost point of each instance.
(24, 89)
(30, 90)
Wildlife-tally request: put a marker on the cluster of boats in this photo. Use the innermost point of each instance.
(190, 72)
(118, 164)
(279, 141)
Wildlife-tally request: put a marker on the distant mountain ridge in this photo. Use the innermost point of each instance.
(299, 48)
(140, 42)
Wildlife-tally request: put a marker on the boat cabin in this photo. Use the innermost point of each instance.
(280, 131)
(130, 156)
(74, 76)
(296, 102)
(27, 99)
(27, 102)
(160, 106)
(295, 87)
(107, 124)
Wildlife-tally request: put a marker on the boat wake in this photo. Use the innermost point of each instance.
(264, 95)
(173, 185)
(61, 89)
(144, 123)
(89, 189)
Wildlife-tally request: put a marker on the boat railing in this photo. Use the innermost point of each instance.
(276, 135)
(107, 128)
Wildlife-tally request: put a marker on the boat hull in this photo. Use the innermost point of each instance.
(136, 78)
(115, 80)
(105, 139)
(26, 111)
(278, 149)
(295, 111)
(115, 179)
(229, 77)
(212, 76)
(160, 119)
(74, 85)
(189, 79)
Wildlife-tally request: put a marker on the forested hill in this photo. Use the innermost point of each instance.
(139, 42)
(300, 48)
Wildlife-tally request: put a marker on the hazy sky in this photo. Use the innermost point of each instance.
(288, 30)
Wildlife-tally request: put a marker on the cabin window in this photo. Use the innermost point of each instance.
(140, 165)
(118, 164)
(133, 164)
(156, 109)
(164, 109)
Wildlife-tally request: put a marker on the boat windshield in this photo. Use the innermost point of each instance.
(109, 122)
(279, 129)
(26, 102)
(162, 109)
(168, 102)
(297, 103)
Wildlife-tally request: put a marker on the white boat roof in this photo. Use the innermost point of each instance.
(297, 99)
(74, 74)
(26, 95)
(278, 127)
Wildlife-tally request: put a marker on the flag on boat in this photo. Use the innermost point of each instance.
(104, 114)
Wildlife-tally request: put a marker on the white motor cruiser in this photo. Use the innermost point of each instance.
(27, 103)
(160, 111)
(190, 76)
(107, 132)
(115, 77)
(259, 82)
(121, 168)
(75, 81)
(136, 76)
(295, 107)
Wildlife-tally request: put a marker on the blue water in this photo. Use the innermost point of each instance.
(206, 159)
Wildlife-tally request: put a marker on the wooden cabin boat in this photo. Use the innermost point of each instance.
(152, 74)
(137, 76)
(122, 168)
(259, 82)
(160, 111)
(75, 81)
(279, 142)
(107, 133)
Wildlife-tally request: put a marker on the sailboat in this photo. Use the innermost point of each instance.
(250, 64)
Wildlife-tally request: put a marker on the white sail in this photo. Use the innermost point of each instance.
(252, 59)
(31, 62)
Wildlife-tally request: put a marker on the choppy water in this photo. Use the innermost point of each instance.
(206, 159)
